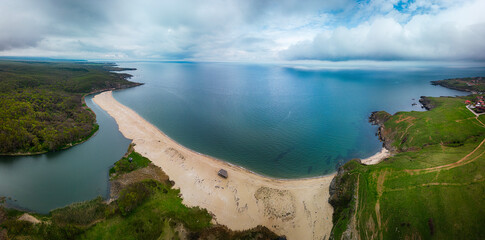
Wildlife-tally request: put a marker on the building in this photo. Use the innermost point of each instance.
(222, 173)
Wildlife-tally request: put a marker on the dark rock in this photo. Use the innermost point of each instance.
(426, 102)
(379, 117)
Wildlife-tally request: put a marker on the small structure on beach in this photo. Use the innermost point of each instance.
(222, 173)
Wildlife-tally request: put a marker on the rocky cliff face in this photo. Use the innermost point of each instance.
(379, 118)
(427, 103)
(342, 198)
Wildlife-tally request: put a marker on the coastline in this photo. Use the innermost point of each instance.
(296, 208)
(376, 158)
(85, 107)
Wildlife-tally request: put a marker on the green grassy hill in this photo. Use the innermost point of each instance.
(433, 188)
(450, 124)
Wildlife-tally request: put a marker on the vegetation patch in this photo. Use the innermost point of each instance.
(80, 214)
(471, 84)
(130, 162)
(41, 105)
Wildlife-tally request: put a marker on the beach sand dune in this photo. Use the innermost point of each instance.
(298, 209)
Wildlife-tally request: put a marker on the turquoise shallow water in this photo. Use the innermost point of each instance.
(277, 121)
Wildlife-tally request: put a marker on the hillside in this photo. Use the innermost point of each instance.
(432, 188)
(41, 103)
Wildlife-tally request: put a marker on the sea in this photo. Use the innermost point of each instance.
(277, 120)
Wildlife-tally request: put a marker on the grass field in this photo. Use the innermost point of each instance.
(434, 190)
(449, 124)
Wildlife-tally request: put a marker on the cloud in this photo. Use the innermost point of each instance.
(452, 34)
(242, 30)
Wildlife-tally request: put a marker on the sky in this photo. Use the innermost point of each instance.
(245, 30)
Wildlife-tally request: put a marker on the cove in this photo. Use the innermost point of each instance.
(275, 120)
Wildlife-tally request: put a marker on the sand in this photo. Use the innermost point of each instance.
(29, 218)
(376, 158)
(298, 209)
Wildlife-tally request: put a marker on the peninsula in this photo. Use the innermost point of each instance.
(42, 103)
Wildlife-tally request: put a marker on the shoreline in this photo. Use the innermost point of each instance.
(377, 158)
(72, 144)
(296, 208)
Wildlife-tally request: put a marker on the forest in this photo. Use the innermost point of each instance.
(41, 103)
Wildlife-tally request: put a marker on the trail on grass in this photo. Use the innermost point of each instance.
(465, 160)
(435, 184)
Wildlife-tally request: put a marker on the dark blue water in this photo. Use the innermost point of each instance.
(44, 182)
(277, 121)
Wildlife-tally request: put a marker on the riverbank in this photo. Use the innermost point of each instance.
(295, 208)
(42, 104)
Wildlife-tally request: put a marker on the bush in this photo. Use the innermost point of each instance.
(134, 195)
(83, 213)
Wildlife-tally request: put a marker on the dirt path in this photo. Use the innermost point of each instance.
(465, 160)
(406, 131)
(353, 222)
(480, 122)
(435, 184)
(380, 189)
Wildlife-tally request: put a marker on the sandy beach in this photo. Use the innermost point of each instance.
(376, 158)
(298, 209)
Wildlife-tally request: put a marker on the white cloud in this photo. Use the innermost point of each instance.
(242, 30)
(452, 34)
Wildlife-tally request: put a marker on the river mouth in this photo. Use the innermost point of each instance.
(44, 182)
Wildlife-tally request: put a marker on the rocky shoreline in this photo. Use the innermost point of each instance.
(426, 102)
(379, 118)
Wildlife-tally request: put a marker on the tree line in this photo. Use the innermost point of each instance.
(41, 105)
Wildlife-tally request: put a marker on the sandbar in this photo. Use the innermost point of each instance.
(296, 208)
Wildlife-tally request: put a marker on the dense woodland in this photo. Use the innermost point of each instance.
(41, 105)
